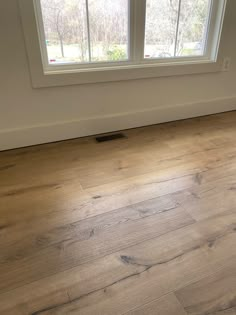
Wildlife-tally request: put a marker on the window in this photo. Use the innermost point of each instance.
(144, 38)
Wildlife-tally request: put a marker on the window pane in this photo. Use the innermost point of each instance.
(108, 21)
(162, 24)
(68, 29)
(192, 27)
(65, 30)
(161, 21)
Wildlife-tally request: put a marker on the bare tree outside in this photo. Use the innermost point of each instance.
(56, 21)
(192, 27)
(78, 28)
(161, 20)
(162, 31)
(66, 29)
(98, 30)
(112, 29)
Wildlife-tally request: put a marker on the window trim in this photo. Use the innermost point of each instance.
(117, 71)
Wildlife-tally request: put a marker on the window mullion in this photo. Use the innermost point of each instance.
(137, 29)
(177, 28)
(88, 31)
(207, 27)
(132, 30)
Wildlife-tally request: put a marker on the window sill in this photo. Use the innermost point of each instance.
(128, 72)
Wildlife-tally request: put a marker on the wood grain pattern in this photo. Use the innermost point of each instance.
(116, 283)
(215, 294)
(215, 193)
(153, 275)
(143, 225)
(76, 248)
(168, 305)
(31, 240)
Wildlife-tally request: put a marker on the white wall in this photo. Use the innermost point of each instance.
(30, 116)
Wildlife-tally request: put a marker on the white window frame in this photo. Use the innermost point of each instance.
(136, 67)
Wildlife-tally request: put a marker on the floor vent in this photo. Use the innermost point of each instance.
(112, 137)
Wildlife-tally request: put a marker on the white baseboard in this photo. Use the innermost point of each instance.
(22, 137)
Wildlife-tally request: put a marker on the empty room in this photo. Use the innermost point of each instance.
(118, 157)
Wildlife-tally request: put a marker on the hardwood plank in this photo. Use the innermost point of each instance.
(67, 205)
(212, 203)
(79, 249)
(160, 158)
(168, 305)
(213, 295)
(214, 194)
(21, 242)
(132, 277)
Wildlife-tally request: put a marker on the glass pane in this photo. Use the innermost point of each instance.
(109, 32)
(160, 32)
(65, 27)
(192, 27)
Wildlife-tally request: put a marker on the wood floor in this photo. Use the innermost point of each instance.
(142, 225)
